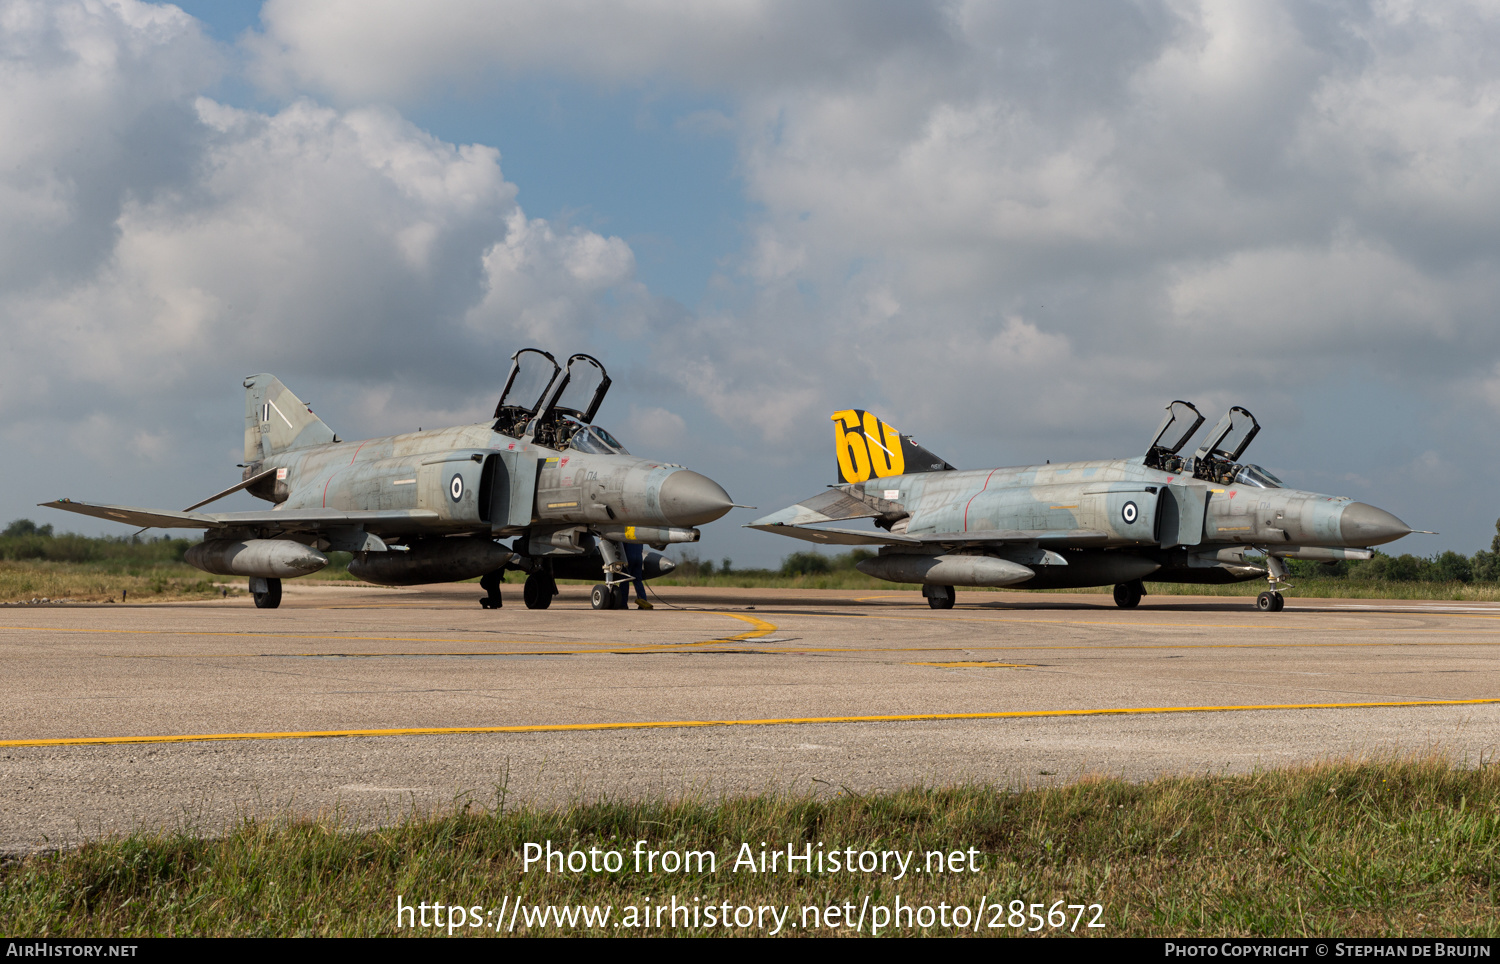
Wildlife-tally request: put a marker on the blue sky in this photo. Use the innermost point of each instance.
(1015, 231)
(628, 161)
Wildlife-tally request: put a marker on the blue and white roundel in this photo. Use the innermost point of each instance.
(456, 487)
(1130, 513)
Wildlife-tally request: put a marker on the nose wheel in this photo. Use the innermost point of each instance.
(1270, 602)
(610, 597)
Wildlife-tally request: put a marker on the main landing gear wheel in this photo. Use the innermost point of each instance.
(603, 597)
(943, 602)
(270, 597)
(1128, 594)
(622, 595)
(1270, 602)
(490, 583)
(537, 592)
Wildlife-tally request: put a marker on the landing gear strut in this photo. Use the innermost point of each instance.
(1272, 601)
(490, 583)
(539, 589)
(1128, 594)
(266, 592)
(614, 592)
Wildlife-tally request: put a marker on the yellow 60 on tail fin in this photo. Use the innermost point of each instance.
(866, 446)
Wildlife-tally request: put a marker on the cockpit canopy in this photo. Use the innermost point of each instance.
(594, 440)
(1217, 458)
(544, 401)
(1257, 476)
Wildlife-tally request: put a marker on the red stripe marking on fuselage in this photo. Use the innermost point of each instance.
(356, 451)
(325, 491)
(975, 496)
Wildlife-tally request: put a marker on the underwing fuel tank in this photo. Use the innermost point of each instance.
(591, 566)
(945, 570)
(266, 558)
(431, 560)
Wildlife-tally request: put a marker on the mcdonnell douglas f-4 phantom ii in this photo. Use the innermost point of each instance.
(431, 506)
(1078, 524)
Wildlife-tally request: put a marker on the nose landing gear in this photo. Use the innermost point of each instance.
(1270, 602)
(605, 596)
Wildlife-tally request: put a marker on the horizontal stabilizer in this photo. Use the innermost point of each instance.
(836, 537)
(257, 477)
(835, 505)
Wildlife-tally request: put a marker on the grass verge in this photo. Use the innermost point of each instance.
(92, 582)
(1405, 847)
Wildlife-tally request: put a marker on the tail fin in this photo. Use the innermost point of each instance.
(277, 420)
(868, 447)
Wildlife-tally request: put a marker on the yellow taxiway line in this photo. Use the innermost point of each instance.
(689, 724)
(761, 628)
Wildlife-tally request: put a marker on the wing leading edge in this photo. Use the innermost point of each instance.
(285, 519)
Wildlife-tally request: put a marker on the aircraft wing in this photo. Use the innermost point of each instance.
(130, 515)
(286, 519)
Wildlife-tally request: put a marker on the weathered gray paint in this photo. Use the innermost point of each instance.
(1104, 522)
(390, 499)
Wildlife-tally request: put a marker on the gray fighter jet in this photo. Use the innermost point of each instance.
(1078, 524)
(433, 506)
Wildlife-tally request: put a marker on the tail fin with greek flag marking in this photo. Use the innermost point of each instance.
(276, 420)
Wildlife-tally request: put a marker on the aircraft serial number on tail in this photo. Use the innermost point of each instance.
(866, 446)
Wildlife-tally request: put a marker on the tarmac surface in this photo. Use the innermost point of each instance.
(374, 703)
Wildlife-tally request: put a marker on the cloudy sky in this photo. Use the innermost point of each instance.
(1015, 230)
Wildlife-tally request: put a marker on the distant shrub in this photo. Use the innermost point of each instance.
(805, 564)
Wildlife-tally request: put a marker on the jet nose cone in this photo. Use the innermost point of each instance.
(690, 499)
(1365, 525)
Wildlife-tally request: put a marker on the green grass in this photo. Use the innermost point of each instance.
(1405, 847)
(1314, 588)
(106, 582)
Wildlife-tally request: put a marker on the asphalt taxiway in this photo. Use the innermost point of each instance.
(374, 702)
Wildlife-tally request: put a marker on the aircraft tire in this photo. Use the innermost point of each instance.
(1128, 594)
(537, 592)
(603, 597)
(271, 598)
(622, 595)
(945, 602)
(1266, 602)
(1280, 602)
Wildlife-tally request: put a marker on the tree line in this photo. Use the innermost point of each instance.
(24, 540)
